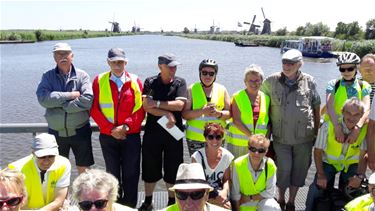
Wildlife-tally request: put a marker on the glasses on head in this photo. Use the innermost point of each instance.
(348, 69)
(46, 157)
(260, 150)
(11, 202)
(284, 61)
(217, 137)
(99, 204)
(205, 73)
(196, 195)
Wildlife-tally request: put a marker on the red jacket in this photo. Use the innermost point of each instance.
(123, 107)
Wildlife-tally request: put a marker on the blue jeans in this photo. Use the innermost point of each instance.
(330, 173)
(122, 160)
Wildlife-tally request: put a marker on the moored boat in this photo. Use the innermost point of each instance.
(245, 44)
(314, 46)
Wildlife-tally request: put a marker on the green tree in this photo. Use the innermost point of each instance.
(318, 29)
(351, 31)
(281, 32)
(300, 31)
(370, 29)
(186, 30)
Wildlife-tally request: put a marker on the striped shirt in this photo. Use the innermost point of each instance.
(322, 138)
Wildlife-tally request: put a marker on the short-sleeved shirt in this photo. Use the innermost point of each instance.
(155, 88)
(350, 88)
(214, 176)
(322, 139)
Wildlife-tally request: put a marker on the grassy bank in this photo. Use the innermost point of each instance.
(43, 35)
(361, 47)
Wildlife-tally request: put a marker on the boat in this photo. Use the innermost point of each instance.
(245, 44)
(314, 46)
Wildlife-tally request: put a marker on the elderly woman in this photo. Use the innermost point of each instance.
(13, 193)
(97, 190)
(216, 164)
(250, 108)
(208, 101)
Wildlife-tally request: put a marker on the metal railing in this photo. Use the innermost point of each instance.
(33, 128)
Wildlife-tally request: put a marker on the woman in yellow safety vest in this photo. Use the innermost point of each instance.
(207, 101)
(250, 112)
(339, 90)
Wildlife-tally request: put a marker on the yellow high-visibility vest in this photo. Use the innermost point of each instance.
(237, 137)
(105, 95)
(247, 184)
(195, 127)
(361, 203)
(33, 182)
(334, 149)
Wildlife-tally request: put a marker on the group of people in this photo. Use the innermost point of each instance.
(269, 128)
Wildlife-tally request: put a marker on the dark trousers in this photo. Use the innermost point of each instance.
(122, 159)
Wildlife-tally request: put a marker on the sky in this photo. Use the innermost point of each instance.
(174, 15)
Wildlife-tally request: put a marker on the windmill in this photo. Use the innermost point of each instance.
(212, 28)
(266, 25)
(136, 28)
(115, 26)
(253, 27)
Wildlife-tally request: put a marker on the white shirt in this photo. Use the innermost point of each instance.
(214, 176)
(372, 112)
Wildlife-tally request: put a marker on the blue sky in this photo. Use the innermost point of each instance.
(154, 15)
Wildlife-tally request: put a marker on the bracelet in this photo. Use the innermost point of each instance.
(357, 126)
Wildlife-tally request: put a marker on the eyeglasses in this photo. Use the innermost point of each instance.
(260, 150)
(46, 157)
(205, 73)
(255, 81)
(217, 137)
(196, 195)
(349, 69)
(11, 202)
(289, 62)
(99, 204)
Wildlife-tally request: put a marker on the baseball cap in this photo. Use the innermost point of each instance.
(292, 55)
(45, 144)
(116, 54)
(168, 59)
(61, 46)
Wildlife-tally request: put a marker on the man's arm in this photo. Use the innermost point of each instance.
(60, 194)
(49, 98)
(84, 101)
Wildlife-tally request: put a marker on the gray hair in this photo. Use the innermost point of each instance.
(353, 101)
(95, 179)
(254, 69)
(14, 180)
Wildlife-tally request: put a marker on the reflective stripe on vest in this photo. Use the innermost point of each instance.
(361, 203)
(105, 95)
(247, 184)
(334, 149)
(341, 96)
(195, 127)
(237, 137)
(33, 182)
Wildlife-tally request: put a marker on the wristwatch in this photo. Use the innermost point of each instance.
(158, 104)
(360, 176)
(126, 127)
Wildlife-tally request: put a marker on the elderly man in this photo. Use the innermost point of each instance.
(332, 157)
(191, 190)
(365, 202)
(47, 174)
(367, 70)
(295, 105)
(164, 95)
(254, 178)
(66, 93)
(117, 109)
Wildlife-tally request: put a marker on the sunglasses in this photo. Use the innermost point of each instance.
(217, 137)
(46, 157)
(99, 204)
(196, 195)
(260, 150)
(205, 73)
(11, 202)
(349, 69)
